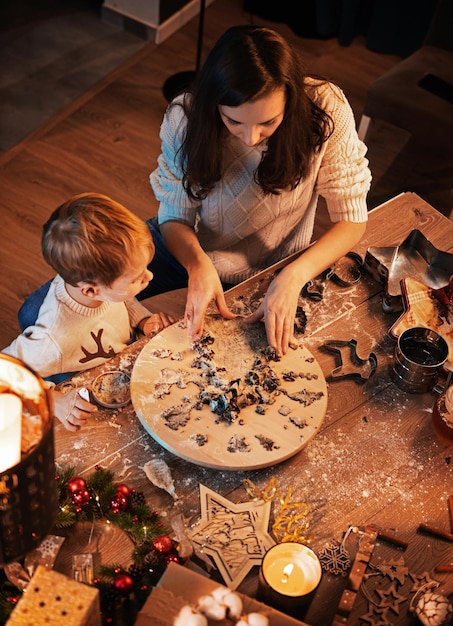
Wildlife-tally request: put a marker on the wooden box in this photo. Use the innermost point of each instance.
(53, 599)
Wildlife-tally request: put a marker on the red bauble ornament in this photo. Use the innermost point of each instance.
(163, 544)
(124, 584)
(13, 599)
(119, 503)
(123, 490)
(77, 484)
(81, 498)
(172, 558)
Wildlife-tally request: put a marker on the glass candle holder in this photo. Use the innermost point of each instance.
(28, 490)
(289, 576)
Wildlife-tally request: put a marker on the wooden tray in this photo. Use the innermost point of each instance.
(166, 388)
(180, 586)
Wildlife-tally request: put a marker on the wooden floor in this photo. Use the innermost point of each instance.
(51, 52)
(107, 141)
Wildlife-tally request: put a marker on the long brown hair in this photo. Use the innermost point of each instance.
(247, 63)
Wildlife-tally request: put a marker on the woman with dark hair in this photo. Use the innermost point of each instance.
(245, 156)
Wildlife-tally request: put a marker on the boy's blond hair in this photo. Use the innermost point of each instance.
(91, 238)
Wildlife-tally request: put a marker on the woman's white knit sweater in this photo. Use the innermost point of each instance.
(242, 229)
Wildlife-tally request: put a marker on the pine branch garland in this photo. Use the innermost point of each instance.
(98, 497)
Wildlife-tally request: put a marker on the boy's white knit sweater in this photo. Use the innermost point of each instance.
(243, 230)
(70, 337)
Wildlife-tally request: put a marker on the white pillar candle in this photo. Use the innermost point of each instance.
(291, 569)
(10, 430)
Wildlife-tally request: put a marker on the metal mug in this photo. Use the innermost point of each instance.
(420, 354)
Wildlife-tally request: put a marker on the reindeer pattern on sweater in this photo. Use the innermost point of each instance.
(70, 337)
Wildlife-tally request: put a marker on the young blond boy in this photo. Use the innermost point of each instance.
(100, 251)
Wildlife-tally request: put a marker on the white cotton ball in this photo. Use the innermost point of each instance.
(253, 619)
(219, 593)
(258, 619)
(187, 616)
(231, 601)
(234, 604)
(211, 608)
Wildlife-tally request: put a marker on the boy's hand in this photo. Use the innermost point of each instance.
(72, 408)
(152, 325)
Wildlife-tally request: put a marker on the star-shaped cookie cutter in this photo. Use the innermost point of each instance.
(415, 257)
(350, 365)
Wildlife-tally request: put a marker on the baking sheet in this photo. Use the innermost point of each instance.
(166, 387)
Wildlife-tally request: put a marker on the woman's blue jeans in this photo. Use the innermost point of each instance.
(168, 273)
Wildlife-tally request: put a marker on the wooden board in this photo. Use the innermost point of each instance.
(171, 376)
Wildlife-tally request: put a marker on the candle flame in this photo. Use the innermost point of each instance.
(287, 570)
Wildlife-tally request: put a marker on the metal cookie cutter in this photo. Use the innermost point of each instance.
(313, 290)
(346, 272)
(350, 364)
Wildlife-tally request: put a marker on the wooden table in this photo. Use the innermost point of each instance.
(375, 460)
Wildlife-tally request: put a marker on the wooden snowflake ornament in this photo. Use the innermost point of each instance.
(335, 559)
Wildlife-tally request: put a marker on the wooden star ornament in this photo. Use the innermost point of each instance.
(235, 536)
(391, 598)
(376, 616)
(394, 569)
(423, 581)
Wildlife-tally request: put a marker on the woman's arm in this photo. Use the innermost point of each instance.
(177, 215)
(343, 179)
(278, 309)
(204, 284)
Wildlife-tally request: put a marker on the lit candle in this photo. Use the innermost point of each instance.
(289, 574)
(10, 430)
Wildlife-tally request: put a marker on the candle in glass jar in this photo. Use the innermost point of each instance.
(289, 574)
(10, 430)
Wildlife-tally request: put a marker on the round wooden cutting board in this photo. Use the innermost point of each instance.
(226, 402)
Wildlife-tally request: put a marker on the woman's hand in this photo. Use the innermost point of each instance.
(155, 323)
(279, 306)
(278, 310)
(72, 409)
(204, 286)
